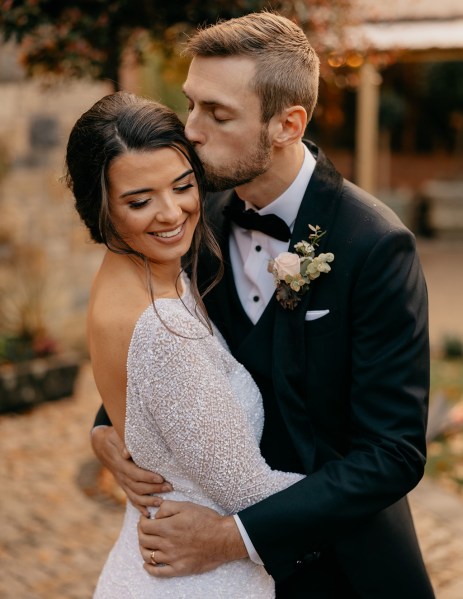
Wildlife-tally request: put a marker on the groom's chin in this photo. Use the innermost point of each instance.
(215, 185)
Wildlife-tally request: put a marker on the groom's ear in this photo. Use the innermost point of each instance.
(288, 127)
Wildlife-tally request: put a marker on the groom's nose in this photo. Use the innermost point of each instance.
(193, 128)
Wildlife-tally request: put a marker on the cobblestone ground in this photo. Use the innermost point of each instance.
(439, 523)
(56, 528)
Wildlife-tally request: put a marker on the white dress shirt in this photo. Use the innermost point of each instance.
(250, 252)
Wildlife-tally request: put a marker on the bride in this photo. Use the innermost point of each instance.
(181, 402)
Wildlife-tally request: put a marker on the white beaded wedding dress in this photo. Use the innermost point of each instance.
(195, 415)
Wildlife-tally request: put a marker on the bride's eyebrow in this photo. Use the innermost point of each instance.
(134, 192)
(183, 175)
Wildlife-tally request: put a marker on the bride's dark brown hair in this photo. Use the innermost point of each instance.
(113, 126)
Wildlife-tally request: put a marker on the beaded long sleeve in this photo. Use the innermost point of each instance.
(194, 414)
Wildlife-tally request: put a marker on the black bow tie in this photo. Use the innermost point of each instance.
(270, 224)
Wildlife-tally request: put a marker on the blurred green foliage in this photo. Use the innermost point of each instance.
(88, 37)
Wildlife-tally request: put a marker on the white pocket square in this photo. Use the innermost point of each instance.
(314, 314)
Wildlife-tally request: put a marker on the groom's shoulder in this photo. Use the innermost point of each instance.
(368, 211)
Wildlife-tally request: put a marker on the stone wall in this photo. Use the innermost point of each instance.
(46, 258)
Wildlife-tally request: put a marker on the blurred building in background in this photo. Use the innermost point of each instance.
(394, 103)
(46, 262)
(390, 116)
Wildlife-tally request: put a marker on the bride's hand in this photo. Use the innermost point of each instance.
(185, 538)
(137, 484)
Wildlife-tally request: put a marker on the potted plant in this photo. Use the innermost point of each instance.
(33, 368)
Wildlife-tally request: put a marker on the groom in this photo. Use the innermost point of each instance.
(344, 375)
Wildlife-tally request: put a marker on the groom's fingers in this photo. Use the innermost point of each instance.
(189, 538)
(143, 502)
(139, 485)
(140, 493)
(170, 508)
(161, 570)
(148, 538)
(152, 555)
(157, 532)
(154, 546)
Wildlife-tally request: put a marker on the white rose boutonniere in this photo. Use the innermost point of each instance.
(287, 264)
(293, 272)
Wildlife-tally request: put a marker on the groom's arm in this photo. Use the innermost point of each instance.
(138, 484)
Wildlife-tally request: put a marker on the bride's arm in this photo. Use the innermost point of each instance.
(193, 405)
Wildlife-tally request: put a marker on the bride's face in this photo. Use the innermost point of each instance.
(154, 202)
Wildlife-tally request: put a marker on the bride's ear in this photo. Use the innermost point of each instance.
(288, 127)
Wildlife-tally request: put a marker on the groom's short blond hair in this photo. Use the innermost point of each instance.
(287, 67)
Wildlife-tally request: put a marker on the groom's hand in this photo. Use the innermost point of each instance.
(137, 484)
(185, 538)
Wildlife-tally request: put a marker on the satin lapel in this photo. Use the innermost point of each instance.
(289, 358)
(320, 200)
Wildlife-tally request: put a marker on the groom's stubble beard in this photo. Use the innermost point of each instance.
(241, 171)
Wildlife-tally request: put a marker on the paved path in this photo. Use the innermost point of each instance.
(439, 523)
(53, 535)
(56, 529)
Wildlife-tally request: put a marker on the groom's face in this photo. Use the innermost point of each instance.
(224, 121)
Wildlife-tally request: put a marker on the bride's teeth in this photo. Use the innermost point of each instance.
(169, 233)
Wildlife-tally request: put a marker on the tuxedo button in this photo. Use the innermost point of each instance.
(258, 248)
(256, 298)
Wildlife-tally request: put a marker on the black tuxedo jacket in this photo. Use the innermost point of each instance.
(345, 399)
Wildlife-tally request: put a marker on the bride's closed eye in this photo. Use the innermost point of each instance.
(181, 188)
(138, 204)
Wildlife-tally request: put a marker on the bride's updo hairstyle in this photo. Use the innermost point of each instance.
(116, 124)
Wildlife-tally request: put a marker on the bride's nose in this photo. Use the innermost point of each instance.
(169, 210)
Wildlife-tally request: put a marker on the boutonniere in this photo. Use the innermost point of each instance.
(293, 272)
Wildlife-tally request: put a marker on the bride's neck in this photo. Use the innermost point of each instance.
(163, 279)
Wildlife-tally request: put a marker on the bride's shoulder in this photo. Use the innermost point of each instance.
(115, 305)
